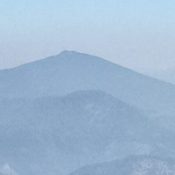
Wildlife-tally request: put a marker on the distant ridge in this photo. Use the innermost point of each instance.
(71, 131)
(72, 71)
(73, 109)
(68, 54)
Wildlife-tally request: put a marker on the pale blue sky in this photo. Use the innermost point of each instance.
(135, 33)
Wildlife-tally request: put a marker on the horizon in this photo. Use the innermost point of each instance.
(58, 54)
(138, 35)
(75, 52)
(151, 75)
(87, 87)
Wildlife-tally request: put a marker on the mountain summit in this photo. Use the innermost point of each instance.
(66, 111)
(72, 71)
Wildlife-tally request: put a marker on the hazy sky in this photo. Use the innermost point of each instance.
(136, 33)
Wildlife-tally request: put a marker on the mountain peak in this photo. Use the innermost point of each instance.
(69, 52)
(76, 54)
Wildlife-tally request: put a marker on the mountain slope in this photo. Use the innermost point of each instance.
(56, 135)
(72, 71)
(45, 131)
(135, 165)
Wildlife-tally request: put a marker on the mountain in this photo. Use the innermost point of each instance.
(66, 111)
(56, 135)
(134, 165)
(72, 71)
(67, 131)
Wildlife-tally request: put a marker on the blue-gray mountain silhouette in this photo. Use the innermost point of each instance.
(64, 112)
(59, 134)
(134, 165)
(72, 71)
